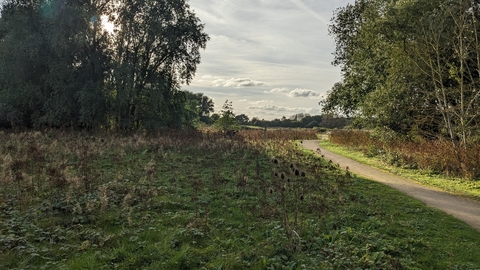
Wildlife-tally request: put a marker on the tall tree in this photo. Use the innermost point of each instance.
(47, 57)
(447, 51)
(227, 120)
(156, 49)
(59, 66)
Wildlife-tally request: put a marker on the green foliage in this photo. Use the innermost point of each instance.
(60, 67)
(312, 124)
(409, 66)
(227, 120)
(303, 121)
(242, 119)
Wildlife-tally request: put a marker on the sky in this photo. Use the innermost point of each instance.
(271, 58)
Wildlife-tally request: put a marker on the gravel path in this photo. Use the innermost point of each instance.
(462, 208)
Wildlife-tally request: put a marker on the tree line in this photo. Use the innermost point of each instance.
(227, 120)
(60, 66)
(410, 66)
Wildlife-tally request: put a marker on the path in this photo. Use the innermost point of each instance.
(462, 208)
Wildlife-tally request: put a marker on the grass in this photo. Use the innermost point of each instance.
(179, 200)
(455, 185)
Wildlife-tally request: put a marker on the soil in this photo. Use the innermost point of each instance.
(462, 208)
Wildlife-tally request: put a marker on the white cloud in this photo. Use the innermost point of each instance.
(237, 83)
(260, 102)
(277, 90)
(298, 92)
(303, 93)
(242, 100)
(268, 108)
(301, 5)
(293, 110)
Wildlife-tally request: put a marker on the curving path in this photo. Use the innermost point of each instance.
(462, 208)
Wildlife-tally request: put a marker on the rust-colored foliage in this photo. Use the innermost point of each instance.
(438, 155)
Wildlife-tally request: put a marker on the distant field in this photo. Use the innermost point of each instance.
(192, 200)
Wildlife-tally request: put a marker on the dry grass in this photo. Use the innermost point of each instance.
(437, 156)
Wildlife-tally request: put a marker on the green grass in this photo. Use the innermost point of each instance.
(464, 187)
(179, 201)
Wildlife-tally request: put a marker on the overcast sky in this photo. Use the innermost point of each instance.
(272, 58)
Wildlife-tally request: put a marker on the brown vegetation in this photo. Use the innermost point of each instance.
(438, 156)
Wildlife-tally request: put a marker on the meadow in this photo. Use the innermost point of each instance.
(201, 200)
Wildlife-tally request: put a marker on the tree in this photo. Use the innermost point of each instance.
(155, 50)
(448, 53)
(312, 124)
(254, 121)
(60, 67)
(214, 118)
(381, 84)
(242, 119)
(52, 58)
(362, 65)
(204, 104)
(227, 119)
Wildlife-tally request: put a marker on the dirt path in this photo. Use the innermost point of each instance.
(464, 209)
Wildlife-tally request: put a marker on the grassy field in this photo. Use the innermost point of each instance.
(191, 200)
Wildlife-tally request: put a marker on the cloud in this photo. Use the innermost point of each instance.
(242, 100)
(301, 5)
(277, 90)
(260, 102)
(292, 110)
(237, 83)
(298, 92)
(303, 93)
(268, 107)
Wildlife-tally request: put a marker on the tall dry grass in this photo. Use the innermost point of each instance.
(438, 156)
(44, 165)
